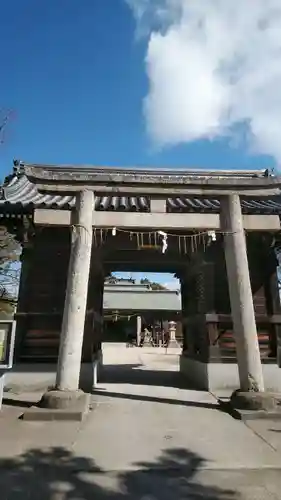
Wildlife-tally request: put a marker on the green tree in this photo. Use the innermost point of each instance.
(152, 284)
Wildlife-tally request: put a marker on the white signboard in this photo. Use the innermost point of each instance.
(3, 343)
(7, 342)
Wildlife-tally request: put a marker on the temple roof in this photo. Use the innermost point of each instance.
(136, 297)
(20, 194)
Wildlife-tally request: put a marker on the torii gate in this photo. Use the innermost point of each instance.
(159, 185)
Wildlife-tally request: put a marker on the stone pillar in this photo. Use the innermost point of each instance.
(241, 299)
(139, 326)
(71, 341)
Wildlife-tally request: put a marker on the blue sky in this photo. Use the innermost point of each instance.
(73, 75)
(166, 279)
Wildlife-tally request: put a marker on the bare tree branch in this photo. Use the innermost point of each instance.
(4, 119)
(9, 249)
(9, 271)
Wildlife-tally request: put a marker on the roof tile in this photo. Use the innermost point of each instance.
(19, 193)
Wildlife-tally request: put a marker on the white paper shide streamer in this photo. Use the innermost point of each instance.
(164, 240)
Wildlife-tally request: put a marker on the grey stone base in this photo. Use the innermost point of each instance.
(174, 343)
(250, 400)
(250, 415)
(35, 414)
(195, 372)
(30, 377)
(59, 405)
(62, 400)
(224, 376)
(256, 405)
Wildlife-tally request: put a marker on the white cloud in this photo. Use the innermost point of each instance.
(212, 65)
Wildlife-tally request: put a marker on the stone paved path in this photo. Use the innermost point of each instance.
(147, 437)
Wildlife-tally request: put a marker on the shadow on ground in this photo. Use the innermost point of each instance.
(155, 399)
(136, 375)
(38, 367)
(56, 474)
(17, 403)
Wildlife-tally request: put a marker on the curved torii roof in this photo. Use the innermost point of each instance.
(34, 186)
(151, 181)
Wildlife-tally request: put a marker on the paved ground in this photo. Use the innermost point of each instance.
(147, 437)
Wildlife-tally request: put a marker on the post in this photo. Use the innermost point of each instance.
(68, 369)
(97, 304)
(138, 330)
(241, 299)
(97, 291)
(184, 313)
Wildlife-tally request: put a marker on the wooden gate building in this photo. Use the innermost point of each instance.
(185, 222)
